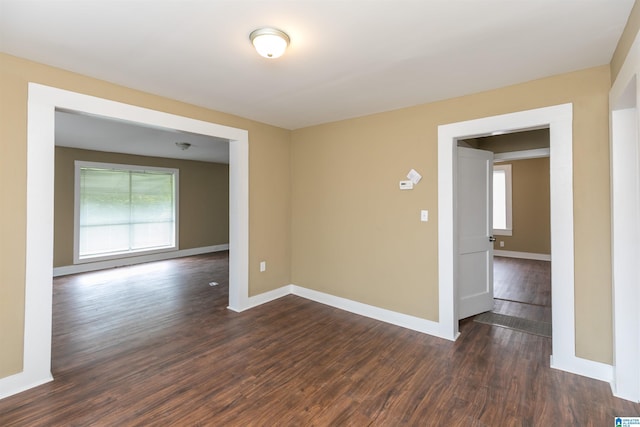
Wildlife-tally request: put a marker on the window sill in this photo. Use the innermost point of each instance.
(122, 255)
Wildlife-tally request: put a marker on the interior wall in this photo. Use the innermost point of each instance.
(357, 236)
(269, 196)
(203, 199)
(626, 40)
(531, 211)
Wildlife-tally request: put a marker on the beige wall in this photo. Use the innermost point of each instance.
(355, 235)
(530, 207)
(626, 40)
(269, 187)
(203, 199)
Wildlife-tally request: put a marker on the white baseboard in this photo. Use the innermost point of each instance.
(20, 382)
(399, 319)
(574, 365)
(263, 298)
(584, 367)
(523, 255)
(101, 265)
(600, 371)
(631, 397)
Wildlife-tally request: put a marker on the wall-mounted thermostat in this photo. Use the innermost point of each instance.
(406, 185)
(414, 176)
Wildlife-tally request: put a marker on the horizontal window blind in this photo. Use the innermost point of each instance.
(502, 203)
(123, 211)
(499, 199)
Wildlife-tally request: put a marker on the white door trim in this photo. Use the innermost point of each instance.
(624, 100)
(43, 101)
(559, 119)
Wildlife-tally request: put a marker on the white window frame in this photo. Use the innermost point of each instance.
(508, 231)
(79, 164)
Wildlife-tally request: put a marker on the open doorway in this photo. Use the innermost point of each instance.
(148, 198)
(559, 120)
(43, 102)
(625, 213)
(126, 193)
(521, 230)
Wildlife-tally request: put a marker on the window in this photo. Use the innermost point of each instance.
(123, 210)
(502, 200)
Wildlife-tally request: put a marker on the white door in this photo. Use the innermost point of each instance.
(475, 227)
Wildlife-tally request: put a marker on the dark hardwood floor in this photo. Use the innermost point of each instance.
(154, 345)
(522, 288)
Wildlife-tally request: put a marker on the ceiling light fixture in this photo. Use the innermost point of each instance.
(269, 42)
(183, 145)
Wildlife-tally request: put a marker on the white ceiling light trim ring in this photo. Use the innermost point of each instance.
(269, 42)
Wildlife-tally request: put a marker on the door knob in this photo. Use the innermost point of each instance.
(492, 239)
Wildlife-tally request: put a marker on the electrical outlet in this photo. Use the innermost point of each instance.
(263, 266)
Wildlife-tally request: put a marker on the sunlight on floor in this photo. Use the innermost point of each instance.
(121, 273)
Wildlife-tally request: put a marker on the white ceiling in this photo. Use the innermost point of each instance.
(347, 58)
(90, 132)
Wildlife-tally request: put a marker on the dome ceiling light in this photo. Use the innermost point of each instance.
(269, 42)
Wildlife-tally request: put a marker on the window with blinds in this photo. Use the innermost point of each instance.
(502, 208)
(123, 209)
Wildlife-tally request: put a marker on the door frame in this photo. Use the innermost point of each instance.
(624, 116)
(559, 120)
(42, 103)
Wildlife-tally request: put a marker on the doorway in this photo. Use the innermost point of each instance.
(559, 120)
(625, 215)
(43, 102)
(520, 227)
(189, 212)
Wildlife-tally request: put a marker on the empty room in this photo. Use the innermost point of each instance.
(284, 213)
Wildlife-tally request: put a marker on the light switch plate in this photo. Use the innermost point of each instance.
(424, 215)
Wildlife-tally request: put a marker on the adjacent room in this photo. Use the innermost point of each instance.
(127, 193)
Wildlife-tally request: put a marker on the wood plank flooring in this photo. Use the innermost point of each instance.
(154, 345)
(522, 288)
